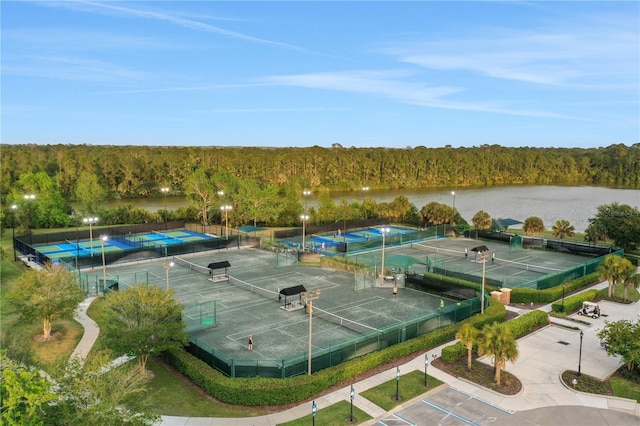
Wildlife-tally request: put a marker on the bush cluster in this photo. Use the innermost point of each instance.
(573, 303)
(269, 391)
(519, 327)
(527, 295)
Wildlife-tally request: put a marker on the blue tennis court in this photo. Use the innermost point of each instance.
(357, 236)
(88, 248)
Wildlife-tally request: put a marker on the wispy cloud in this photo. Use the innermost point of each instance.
(389, 85)
(267, 110)
(175, 18)
(72, 68)
(576, 58)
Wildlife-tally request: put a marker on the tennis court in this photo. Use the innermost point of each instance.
(112, 244)
(504, 266)
(227, 312)
(80, 248)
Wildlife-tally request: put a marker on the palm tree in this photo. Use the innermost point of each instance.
(563, 229)
(497, 341)
(631, 278)
(468, 335)
(616, 269)
(533, 225)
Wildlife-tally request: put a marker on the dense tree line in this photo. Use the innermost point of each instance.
(141, 171)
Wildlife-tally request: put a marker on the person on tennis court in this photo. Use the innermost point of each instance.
(441, 304)
(251, 342)
(395, 292)
(493, 257)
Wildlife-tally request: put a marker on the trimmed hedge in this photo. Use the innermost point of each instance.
(519, 327)
(527, 295)
(574, 302)
(453, 353)
(269, 391)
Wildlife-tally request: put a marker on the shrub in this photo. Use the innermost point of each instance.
(573, 303)
(453, 353)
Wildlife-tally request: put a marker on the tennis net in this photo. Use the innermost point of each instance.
(269, 294)
(164, 236)
(78, 246)
(186, 264)
(526, 266)
(439, 250)
(341, 321)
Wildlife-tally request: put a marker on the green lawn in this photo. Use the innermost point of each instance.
(192, 402)
(625, 388)
(409, 386)
(337, 414)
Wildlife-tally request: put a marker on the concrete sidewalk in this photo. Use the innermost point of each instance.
(544, 355)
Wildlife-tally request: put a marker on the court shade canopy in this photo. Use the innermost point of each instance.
(292, 291)
(504, 223)
(219, 265)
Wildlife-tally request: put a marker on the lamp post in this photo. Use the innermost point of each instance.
(305, 194)
(314, 409)
(384, 230)
(165, 190)
(103, 240)
(352, 395)
(397, 383)
(563, 297)
(226, 209)
(426, 364)
(574, 382)
(13, 230)
(308, 298)
(90, 221)
(167, 267)
(580, 355)
(364, 211)
(454, 207)
(29, 198)
(483, 256)
(304, 219)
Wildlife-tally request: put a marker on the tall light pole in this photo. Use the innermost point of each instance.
(563, 298)
(304, 219)
(91, 221)
(454, 207)
(308, 298)
(483, 256)
(364, 211)
(305, 194)
(384, 231)
(103, 240)
(29, 198)
(580, 356)
(165, 190)
(226, 209)
(13, 230)
(167, 267)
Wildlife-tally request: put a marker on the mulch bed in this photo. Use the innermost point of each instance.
(481, 374)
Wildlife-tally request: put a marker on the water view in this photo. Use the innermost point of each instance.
(548, 202)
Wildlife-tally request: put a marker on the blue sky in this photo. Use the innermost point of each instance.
(362, 74)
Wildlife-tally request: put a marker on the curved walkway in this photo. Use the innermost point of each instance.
(544, 355)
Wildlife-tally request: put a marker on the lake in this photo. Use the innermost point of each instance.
(548, 202)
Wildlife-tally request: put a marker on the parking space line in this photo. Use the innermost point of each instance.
(504, 410)
(449, 412)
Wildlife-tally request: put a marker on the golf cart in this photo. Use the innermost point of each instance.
(590, 309)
